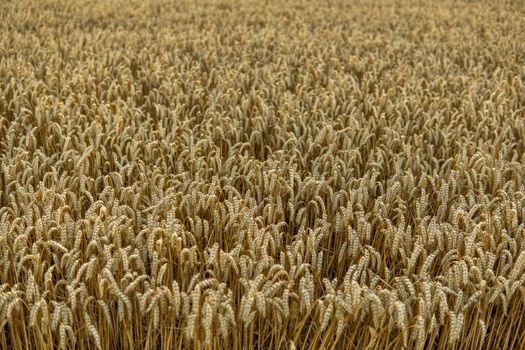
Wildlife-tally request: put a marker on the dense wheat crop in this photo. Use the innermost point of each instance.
(262, 174)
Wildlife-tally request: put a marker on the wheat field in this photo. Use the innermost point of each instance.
(227, 174)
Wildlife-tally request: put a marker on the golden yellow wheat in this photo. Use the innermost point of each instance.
(262, 174)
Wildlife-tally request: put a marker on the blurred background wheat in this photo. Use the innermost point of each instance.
(262, 175)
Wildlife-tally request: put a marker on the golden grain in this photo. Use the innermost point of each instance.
(236, 174)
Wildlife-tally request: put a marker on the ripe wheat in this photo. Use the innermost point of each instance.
(228, 174)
